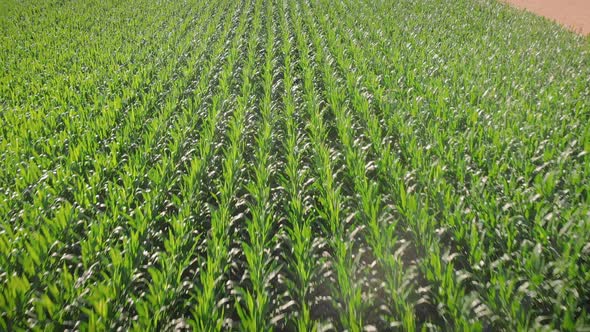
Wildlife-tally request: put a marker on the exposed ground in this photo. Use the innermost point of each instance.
(574, 14)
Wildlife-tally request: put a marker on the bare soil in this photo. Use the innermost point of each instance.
(574, 14)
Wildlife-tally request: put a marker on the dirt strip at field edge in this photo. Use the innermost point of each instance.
(574, 14)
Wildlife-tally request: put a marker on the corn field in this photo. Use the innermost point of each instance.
(305, 165)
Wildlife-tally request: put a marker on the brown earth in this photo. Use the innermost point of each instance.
(574, 14)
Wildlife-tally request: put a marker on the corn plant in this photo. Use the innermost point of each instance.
(302, 165)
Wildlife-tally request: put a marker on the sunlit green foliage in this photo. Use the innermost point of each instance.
(302, 165)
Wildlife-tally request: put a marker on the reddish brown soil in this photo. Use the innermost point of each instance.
(575, 14)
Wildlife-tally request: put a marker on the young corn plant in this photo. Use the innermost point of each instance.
(292, 165)
(167, 283)
(254, 306)
(295, 182)
(347, 294)
(207, 315)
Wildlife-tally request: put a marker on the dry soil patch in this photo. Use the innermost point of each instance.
(575, 14)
